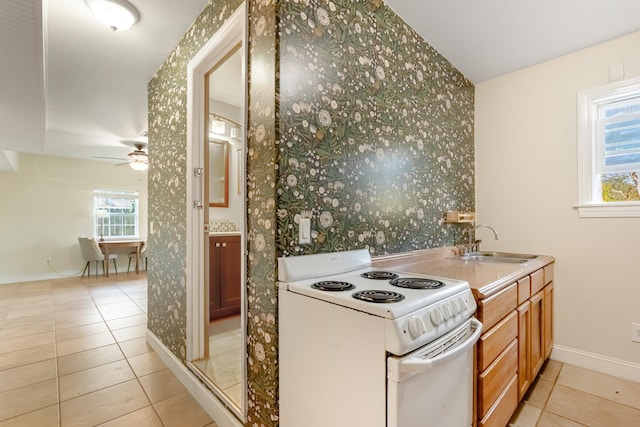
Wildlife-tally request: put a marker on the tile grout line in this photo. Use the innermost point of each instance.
(137, 378)
(55, 352)
(124, 355)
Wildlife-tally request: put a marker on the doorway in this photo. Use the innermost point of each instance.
(216, 278)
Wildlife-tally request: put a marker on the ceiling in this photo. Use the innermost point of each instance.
(489, 38)
(71, 87)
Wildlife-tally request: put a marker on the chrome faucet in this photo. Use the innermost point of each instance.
(472, 233)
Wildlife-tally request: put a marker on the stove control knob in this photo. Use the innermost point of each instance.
(455, 307)
(416, 326)
(463, 304)
(436, 317)
(446, 310)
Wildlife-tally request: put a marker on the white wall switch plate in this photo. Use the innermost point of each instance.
(304, 232)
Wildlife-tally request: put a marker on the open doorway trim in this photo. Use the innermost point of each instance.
(234, 31)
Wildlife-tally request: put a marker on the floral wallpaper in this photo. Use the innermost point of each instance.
(262, 330)
(376, 131)
(351, 115)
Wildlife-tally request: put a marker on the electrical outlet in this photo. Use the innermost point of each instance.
(635, 332)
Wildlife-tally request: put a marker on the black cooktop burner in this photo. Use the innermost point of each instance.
(333, 286)
(416, 283)
(379, 275)
(378, 296)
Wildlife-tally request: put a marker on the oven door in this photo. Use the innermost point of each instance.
(433, 385)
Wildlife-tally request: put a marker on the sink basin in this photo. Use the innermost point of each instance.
(505, 257)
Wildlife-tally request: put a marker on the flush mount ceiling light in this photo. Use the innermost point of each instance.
(116, 14)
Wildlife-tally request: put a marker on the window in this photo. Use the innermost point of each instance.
(609, 150)
(116, 214)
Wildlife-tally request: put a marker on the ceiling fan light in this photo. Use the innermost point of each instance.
(116, 14)
(139, 165)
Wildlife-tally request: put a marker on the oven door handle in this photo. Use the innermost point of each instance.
(417, 365)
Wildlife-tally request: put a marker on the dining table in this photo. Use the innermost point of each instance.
(109, 245)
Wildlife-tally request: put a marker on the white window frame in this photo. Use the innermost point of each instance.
(590, 204)
(120, 194)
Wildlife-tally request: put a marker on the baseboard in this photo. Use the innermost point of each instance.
(214, 407)
(37, 277)
(595, 362)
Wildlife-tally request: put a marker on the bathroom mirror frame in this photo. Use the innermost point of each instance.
(218, 180)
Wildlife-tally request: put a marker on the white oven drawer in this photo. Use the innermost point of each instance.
(433, 386)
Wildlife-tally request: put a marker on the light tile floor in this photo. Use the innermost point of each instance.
(568, 396)
(224, 364)
(73, 353)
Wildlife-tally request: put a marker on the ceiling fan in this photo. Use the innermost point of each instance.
(138, 159)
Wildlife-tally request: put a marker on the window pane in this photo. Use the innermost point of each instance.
(620, 133)
(122, 213)
(620, 187)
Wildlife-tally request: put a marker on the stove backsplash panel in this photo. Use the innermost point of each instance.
(376, 132)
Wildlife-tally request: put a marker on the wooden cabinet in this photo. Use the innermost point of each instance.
(548, 319)
(517, 339)
(524, 362)
(500, 413)
(494, 380)
(497, 354)
(536, 338)
(224, 276)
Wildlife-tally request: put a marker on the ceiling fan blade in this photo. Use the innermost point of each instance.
(108, 158)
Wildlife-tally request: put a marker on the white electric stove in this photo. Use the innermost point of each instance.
(354, 340)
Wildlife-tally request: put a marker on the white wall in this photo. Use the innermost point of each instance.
(47, 205)
(526, 169)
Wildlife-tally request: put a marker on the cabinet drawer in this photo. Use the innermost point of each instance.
(548, 273)
(492, 309)
(493, 381)
(494, 341)
(524, 289)
(537, 281)
(500, 413)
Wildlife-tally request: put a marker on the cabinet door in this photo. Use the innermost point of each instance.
(229, 261)
(536, 349)
(524, 336)
(548, 319)
(214, 291)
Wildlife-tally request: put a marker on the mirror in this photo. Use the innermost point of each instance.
(218, 174)
(219, 341)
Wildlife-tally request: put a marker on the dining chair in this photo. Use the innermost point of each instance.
(143, 254)
(91, 252)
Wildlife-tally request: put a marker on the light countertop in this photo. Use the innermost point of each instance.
(485, 278)
(224, 233)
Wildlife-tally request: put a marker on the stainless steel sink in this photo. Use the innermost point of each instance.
(505, 257)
